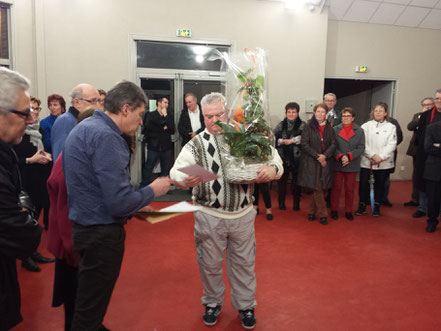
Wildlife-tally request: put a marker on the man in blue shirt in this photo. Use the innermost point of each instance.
(83, 96)
(96, 163)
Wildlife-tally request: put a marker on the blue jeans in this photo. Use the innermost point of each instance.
(152, 157)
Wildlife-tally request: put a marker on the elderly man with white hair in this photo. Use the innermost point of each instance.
(19, 234)
(225, 219)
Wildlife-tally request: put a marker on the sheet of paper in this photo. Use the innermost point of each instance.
(180, 207)
(155, 217)
(197, 170)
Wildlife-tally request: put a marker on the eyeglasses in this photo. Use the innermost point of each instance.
(346, 116)
(35, 108)
(219, 116)
(25, 114)
(92, 101)
(428, 104)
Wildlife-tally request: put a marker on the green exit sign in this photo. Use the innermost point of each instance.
(183, 33)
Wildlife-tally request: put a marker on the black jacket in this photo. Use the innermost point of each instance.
(421, 155)
(14, 241)
(310, 171)
(432, 169)
(156, 137)
(184, 125)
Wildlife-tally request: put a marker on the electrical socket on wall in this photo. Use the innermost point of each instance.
(309, 106)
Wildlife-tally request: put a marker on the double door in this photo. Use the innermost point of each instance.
(174, 86)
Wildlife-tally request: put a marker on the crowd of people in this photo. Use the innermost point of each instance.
(83, 155)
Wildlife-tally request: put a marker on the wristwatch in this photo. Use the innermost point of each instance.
(27, 161)
(275, 167)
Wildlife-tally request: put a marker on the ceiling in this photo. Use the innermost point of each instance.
(412, 13)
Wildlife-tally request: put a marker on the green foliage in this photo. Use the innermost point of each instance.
(250, 138)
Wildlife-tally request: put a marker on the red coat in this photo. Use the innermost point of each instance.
(60, 226)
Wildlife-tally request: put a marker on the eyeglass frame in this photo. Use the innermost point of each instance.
(91, 101)
(24, 114)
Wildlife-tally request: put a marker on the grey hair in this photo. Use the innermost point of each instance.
(124, 92)
(11, 82)
(428, 98)
(213, 98)
(76, 93)
(330, 95)
(190, 95)
(438, 91)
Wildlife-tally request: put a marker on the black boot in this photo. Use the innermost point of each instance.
(376, 212)
(334, 214)
(282, 205)
(361, 209)
(296, 204)
(431, 224)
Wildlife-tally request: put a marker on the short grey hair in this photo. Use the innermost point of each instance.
(438, 91)
(428, 98)
(76, 93)
(11, 82)
(330, 95)
(213, 98)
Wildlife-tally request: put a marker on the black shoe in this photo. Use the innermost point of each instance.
(269, 217)
(334, 215)
(349, 216)
(418, 214)
(323, 220)
(410, 203)
(387, 203)
(282, 205)
(30, 265)
(248, 318)
(311, 217)
(210, 315)
(361, 209)
(37, 257)
(431, 227)
(376, 212)
(296, 205)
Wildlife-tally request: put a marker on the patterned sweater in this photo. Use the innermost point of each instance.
(217, 197)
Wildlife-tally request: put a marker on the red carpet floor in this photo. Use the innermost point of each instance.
(369, 274)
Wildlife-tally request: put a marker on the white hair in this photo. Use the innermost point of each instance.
(329, 95)
(11, 82)
(213, 98)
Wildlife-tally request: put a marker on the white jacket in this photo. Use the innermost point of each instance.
(381, 139)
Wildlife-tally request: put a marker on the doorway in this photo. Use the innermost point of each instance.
(362, 95)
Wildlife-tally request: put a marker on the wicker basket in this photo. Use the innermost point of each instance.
(238, 172)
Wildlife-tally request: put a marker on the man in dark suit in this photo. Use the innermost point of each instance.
(426, 104)
(432, 174)
(191, 121)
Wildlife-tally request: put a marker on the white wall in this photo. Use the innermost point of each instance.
(88, 41)
(410, 56)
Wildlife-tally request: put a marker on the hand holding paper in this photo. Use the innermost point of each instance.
(197, 171)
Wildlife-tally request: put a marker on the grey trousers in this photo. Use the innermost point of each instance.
(213, 237)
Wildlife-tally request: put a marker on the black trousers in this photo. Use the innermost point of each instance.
(295, 189)
(433, 191)
(264, 189)
(101, 249)
(380, 177)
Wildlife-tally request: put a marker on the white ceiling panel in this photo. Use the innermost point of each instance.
(361, 11)
(387, 13)
(433, 20)
(399, 2)
(338, 8)
(412, 16)
(423, 3)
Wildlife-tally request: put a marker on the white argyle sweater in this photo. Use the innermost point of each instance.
(217, 197)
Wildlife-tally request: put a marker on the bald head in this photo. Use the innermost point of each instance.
(84, 96)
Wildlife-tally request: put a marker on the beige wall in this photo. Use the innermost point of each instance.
(410, 56)
(88, 41)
